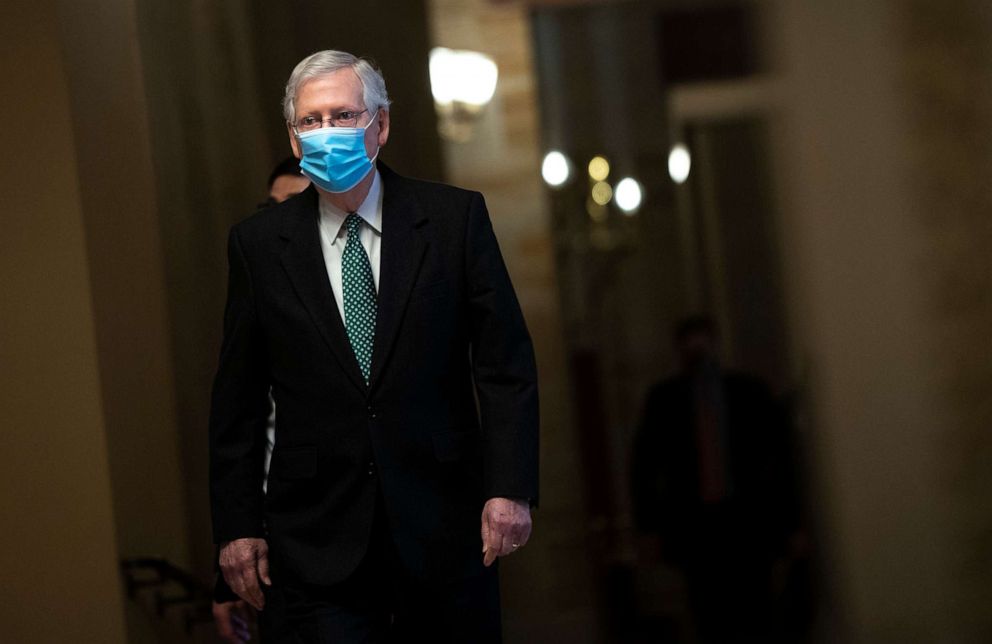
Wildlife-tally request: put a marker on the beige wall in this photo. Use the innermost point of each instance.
(886, 154)
(943, 77)
(117, 192)
(57, 549)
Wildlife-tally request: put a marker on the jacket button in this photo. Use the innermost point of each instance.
(372, 412)
(371, 468)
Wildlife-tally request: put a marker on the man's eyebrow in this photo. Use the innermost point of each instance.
(346, 108)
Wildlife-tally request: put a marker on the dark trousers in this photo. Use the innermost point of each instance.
(380, 603)
(727, 565)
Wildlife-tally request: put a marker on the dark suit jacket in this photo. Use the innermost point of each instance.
(435, 445)
(665, 467)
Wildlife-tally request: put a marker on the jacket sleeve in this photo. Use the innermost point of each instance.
(239, 410)
(503, 366)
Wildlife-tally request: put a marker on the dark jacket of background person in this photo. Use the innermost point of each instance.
(759, 511)
(447, 317)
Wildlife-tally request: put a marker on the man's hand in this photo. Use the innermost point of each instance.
(245, 563)
(505, 527)
(232, 621)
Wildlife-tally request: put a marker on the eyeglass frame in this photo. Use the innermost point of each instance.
(321, 124)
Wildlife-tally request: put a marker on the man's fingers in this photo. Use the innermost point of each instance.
(491, 552)
(250, 590)
(506, 526)
(244, 562)
(263, 568)
(485, 530)
(241, 619)
(231, 627)
(490, 540)
(513, 540)
(522, 535)
(507, 546)
(514, 534)
(243, 634)
(222, 618)
(498, 542)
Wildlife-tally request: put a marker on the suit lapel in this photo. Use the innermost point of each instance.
(303, 261)
(401, 254)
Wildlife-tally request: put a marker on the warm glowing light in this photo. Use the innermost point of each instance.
(629, 195)
(599, 168)
(597, 212)
(602, 193)
(555, 169)
(679, 163)
(462, 76)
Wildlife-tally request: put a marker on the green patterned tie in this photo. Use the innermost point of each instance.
(359, 296)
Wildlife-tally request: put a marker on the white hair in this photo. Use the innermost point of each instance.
(328, 62)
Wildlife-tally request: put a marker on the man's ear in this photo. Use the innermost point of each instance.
(383, 135)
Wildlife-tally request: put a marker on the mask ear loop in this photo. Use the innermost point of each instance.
(377, 146)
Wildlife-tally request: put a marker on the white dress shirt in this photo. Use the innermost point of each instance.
(334, 235)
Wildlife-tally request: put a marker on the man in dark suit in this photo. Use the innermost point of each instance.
(712, 480)
(379, 311)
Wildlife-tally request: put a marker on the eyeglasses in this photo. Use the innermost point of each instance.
(346, 118)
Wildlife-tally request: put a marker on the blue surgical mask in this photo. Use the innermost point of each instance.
(334, 158)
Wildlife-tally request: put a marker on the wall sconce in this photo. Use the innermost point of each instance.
(556, 169)
(679, 163)
(628, 195)
(463, 83)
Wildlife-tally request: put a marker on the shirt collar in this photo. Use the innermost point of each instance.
(370, 210)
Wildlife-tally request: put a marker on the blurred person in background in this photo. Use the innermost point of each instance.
(285, 181)
(232, 615)
(713, 488)
(378, 310)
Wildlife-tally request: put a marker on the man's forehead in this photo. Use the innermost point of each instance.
(340, 85)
